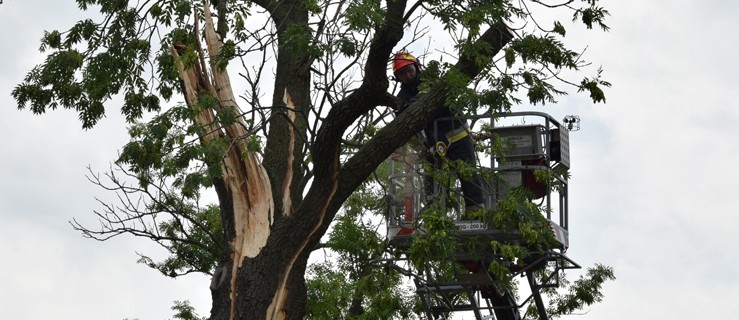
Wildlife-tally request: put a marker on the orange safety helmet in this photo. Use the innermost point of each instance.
(402, 59)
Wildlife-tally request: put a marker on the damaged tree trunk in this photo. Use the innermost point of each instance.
(240, 288)
(245, 192)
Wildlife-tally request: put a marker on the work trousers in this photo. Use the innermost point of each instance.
(464, 150)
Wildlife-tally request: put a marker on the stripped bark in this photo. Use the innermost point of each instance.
(287, 180)
(244, 179)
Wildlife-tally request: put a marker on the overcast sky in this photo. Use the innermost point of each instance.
(652, 191)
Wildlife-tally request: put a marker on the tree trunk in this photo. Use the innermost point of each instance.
(261, 275)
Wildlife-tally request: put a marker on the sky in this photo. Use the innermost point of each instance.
(651, 193)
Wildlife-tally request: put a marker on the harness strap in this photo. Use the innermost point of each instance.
(457, 134)
(453, 136)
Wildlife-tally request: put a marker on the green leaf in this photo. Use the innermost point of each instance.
(558, 28)
(363, 15)
(510, 56)
(592, 15)
(347, 47)
(184, 311)
(51, 40)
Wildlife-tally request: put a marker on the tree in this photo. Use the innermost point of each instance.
(323, 132)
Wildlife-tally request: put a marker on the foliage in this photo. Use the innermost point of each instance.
(437, 243)
(167, 148)
(574, 296)
(185, 257)
(324, 50)
(356, 283)
(185, 311)
(583, 292)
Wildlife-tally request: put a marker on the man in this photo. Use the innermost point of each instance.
(449, 137)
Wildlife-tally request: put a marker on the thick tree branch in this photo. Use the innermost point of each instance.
(370, 94)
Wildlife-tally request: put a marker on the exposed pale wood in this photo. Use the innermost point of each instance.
(278, 302)
(205, 117)
(221, 81)
(246, 174)
(279, 313)
(245, 179)
(287, 181)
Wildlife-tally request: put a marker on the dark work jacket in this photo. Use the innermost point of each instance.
(436, 129)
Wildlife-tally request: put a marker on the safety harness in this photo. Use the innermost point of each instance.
(441, 147)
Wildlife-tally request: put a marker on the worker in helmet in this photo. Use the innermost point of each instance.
(447, 136)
